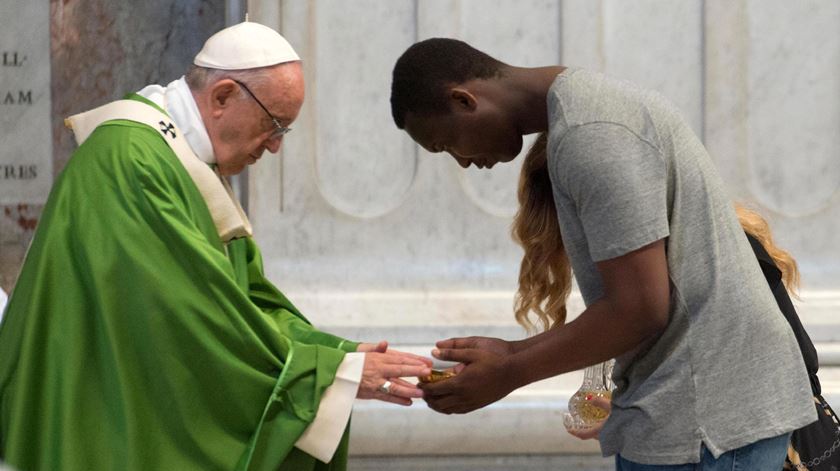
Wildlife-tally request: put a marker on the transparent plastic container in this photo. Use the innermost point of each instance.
(596, 383)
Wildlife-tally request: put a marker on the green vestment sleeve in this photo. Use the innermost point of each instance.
(134, 340)
(247, 261)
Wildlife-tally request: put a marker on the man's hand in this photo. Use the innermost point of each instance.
(485, 378)
(593, 431)
(490, 344)
(391, 366)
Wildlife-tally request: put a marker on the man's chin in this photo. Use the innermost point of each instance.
(502, 159)
(227, 171)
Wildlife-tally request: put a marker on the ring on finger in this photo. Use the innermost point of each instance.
(385, 388)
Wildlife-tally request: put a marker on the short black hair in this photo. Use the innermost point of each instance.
(423, 72)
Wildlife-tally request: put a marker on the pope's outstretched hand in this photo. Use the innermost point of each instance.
(383, 370)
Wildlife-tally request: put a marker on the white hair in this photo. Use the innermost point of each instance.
(199, 78)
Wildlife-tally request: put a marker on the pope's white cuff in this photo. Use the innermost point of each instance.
(323, 435)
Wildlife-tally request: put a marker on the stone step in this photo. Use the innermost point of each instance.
(481, 463)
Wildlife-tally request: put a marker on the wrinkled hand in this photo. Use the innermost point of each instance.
(595, 430)
(484, 378)
(390, 366)
(380, 347)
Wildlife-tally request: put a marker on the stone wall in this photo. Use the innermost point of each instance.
(364, 228)
(99, 51)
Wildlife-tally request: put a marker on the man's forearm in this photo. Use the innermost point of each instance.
(524, 344)
(600, 333)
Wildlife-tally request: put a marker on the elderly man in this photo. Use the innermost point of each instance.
(142, 333)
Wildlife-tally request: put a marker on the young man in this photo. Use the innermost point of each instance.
(142, 333)
(705, 362)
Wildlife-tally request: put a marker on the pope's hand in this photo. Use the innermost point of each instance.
(380, 347)
(388, 367)
(483, 379)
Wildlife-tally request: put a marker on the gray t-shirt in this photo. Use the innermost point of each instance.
(627, 170)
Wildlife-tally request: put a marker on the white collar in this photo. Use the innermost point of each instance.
(177, 99)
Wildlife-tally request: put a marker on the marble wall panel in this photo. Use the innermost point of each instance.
(582, 28)
(361, 170)
(654, 43)
(524, 33)
(794, 105)
(725, 94)
(446, 231)
(303, 228)
(773, 116)
(334, 245)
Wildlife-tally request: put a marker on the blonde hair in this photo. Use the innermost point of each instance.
(545, 275)
(755, 225)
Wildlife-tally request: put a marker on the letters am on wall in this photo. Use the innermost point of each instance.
(26, 145)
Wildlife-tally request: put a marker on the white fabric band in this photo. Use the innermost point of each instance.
(228, 216)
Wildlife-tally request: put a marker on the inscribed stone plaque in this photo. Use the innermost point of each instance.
(26, 145)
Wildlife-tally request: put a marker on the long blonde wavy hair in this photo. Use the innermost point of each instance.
(545, 275)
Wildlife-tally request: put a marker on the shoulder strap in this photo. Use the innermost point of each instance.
(771, 272)
(773, 275)
(228, 216)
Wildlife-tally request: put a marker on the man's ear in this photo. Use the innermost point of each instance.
(221, 94)
(460, 99)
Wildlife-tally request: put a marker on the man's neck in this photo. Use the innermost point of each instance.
(525, 96)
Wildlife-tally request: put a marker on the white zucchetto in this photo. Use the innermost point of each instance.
(247, 45)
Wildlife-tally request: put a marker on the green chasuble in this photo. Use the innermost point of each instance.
(136, 339)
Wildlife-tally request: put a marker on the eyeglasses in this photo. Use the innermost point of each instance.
(279, 130)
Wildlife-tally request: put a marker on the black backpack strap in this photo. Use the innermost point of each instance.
(774, 278)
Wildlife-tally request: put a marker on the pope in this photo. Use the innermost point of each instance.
(142, 332)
